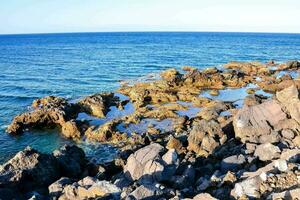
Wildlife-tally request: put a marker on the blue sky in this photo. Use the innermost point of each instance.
(45, 16)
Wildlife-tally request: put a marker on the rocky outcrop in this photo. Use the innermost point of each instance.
(98, 104)
(29, 169)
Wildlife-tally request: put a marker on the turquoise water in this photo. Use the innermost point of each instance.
(77, 64)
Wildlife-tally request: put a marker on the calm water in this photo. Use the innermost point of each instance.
(73, 65)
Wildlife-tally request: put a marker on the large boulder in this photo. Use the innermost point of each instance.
(29, 169)
(251, 122)
(71, 160)
(148, 165)
(149, 192)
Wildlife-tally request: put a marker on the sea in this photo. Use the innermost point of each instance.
(73, 65)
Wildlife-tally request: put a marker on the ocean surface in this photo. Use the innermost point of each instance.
(76, 64)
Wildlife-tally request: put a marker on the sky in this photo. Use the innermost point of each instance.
(53, 16)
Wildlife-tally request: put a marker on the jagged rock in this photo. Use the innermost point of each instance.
(205, 136)
(251, 122)
(48, 111)
(71, 129)
(147, 165)
(294, 64)
(267, 152)
(233, 163)
(98, 104)
(29, 169)
(289, 97)
(71, 160)
(185, 180)
(174, 143)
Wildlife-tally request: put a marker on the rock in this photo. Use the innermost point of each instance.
(48, 111)
(174, 143)
(296, 141)
(294, 64)
(288, 194)
(147, 165)
(56, 188)
(204, 196)
(253, 121)
(202, 184)
(70, 129)
(185, 180)
(71, 160)
(248, 188)
(214, 92)
(281, 165)
(289, 97)
(233, 163)
(267, 151)
(146, 192)
(29, 169)
(288, 134)
(90, 188)
(98, 104)
(202, 138)
(291, 155)
(170, 75)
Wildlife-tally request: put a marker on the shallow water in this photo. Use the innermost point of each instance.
(73, 65)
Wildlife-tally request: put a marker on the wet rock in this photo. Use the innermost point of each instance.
(233, 163)
(253, 121)
(267, 151)
(98, 104)
(29, 169)
(71, 129)
(71, 160)
(170, 75)
(49, 111)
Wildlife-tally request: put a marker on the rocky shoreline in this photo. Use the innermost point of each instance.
(174, 141)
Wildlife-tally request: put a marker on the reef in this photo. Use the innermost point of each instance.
(231, 132)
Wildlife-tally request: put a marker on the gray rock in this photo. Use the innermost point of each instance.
(56, 188)
(29, 169)
(71, 160)
(293, 64)
(147, 165)
(233, 163)
(248, 188)
(288, 134)
(146, 192)
(251, 122)
(266, 152)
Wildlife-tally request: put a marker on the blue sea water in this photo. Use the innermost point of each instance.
(76, 64)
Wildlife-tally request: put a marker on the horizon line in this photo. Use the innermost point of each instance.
(152, 31)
